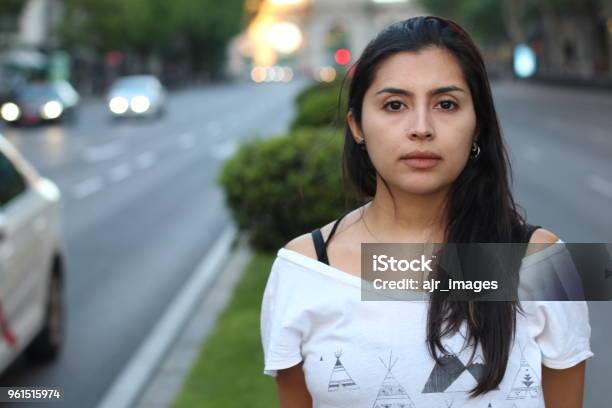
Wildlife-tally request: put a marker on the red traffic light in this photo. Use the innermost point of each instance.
(342, 56)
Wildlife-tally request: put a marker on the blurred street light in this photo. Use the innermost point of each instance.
(287, 2)
(524, 61)
(272, 32)
(274, 73)
(284, 37)
(326, 74)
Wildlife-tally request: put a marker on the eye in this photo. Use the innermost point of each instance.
(448, 105)
(395, 105)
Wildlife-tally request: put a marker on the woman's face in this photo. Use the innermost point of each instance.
(418, 101)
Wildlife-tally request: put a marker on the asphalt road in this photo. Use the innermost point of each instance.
(560, 141)
(141, 206)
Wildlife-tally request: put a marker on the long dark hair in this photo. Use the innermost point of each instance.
(480, 204)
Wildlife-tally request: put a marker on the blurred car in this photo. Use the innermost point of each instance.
(40, 101)
(137, 95)
(31, 262)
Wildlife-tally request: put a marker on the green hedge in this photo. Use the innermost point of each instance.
(317, 106)
(281, 187)
(316, 88)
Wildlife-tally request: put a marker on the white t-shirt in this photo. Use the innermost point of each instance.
(373, 353)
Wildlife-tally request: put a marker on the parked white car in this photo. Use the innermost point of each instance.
(31, 262)
(136, 95)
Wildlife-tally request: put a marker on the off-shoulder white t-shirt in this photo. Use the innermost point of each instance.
(373, 353)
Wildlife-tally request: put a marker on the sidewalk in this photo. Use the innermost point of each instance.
(167, 382)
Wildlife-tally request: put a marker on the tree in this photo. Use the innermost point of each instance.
(194, 31)
(9, 11)
(483, 19)
(11, 8)
(205, 27)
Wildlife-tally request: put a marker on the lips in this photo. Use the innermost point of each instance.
(421, 159)
(421, 154)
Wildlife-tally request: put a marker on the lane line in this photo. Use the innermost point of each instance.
(145, 160)
(135, 376)
(87, 187)
(600, 185)
(108, 151)
(120, 172)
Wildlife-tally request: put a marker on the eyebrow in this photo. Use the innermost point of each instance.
(437, 91)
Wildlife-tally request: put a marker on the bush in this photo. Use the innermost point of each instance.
(318, 87)
(282, 187)
(317, 106)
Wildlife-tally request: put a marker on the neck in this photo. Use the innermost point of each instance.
(414, 218)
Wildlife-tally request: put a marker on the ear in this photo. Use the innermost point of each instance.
(352, 123)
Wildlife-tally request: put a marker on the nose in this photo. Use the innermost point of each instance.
(420, 125)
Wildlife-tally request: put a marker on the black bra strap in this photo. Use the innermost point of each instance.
(320, 244)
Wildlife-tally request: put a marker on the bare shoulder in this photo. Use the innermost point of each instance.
(304, 243)
(541, 236)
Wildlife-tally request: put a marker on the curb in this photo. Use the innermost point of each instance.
(167, 384)
(138, 372)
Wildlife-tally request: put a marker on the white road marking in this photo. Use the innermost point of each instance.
(104, 152)
(87, 187)
(141, 367)
(187, 140)
(120, 172)
(599, 184)
(145, 160)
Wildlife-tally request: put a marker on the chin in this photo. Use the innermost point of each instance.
(422, 188)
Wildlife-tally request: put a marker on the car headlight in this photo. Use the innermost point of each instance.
(118, 105)
(140, 104)
(52, 110)
(10, 112)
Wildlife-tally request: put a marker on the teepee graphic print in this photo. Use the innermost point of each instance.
(340, 378)
(525, 383)
(391, 393)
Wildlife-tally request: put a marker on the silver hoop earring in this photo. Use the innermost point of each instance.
(475, 152)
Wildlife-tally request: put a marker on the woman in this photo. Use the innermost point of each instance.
(424, 147)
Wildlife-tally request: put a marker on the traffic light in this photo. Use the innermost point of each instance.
(342, 56)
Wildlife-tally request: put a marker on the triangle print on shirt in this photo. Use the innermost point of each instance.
(340, 378)
(525, 384)
(451, 375)
(391, 393)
